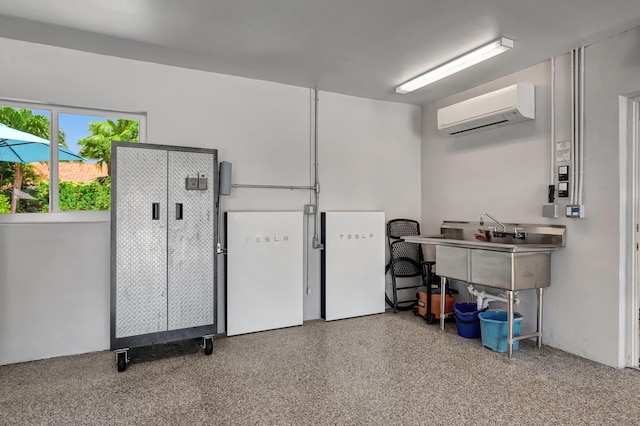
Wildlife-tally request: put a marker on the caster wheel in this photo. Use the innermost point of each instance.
(430, 319)
(208, 347)
(122, 361)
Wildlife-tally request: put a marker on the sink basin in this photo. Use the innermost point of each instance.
(510, 265)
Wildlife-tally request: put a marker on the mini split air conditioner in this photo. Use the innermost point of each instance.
(512, 104)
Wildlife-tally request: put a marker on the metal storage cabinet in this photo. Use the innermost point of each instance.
(163, 263)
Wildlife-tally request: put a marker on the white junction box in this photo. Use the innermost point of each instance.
(551, 210)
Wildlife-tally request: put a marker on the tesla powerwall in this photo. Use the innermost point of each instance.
(353, 259)
(265, 277)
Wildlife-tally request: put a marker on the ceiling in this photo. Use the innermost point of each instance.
(357, 47)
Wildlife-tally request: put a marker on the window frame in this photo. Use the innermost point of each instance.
(54, 215)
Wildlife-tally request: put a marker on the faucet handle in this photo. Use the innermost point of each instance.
(518, 233)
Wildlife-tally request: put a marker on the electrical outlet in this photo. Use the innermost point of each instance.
(192, 183)
(563, 189)
(575, 211)
(309, 209)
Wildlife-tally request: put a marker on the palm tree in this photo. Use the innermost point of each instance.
(98, 145)
(26, 121)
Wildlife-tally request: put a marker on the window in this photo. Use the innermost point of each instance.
(58, 159)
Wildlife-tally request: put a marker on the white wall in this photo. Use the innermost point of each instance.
(263, 128)
(368, 154)
(54, 290)
(505, 171)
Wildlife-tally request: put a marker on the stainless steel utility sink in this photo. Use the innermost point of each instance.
(516, 259)
(505, 262)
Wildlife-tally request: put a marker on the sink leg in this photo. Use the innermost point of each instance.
(539, 338)
(443, 298)
(510, 324)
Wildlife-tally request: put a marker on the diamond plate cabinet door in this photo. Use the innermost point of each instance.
(141, 242)
(190, 241)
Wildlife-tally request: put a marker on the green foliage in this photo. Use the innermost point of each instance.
(78, 196)
(7, 173)
(40, 204)
(74, 196)
(5, 204)
(98, 145)
(26, 121)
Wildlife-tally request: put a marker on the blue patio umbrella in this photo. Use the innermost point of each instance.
(22, 147)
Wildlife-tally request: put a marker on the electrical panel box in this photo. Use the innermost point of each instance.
(576, 211)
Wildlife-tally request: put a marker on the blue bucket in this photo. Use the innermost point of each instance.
(493, 327)
(467, 320)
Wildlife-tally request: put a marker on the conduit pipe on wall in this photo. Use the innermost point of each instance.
(291, 187)
(316, 223)
(581, 138)
(577, 127)
(553, 123)
(573, 126)
(577, 124)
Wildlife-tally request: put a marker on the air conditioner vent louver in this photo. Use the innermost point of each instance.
(479, 127)
(512, 104)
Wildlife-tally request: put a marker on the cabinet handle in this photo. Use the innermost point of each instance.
(155, 211)
(178, 211)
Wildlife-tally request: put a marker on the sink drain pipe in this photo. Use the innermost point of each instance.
(483, 298)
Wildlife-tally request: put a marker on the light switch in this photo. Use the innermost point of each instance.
(202, 181)
(563, 173)
(563, 189)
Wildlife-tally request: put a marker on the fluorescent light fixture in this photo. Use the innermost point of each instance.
(480, 54)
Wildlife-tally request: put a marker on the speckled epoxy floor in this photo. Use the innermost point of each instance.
(383, 369)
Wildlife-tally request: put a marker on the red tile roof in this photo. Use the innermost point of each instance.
(72, 171)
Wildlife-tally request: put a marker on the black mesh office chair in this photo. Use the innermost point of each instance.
(405, 261)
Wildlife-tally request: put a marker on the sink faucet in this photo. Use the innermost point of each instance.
(504, 227)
